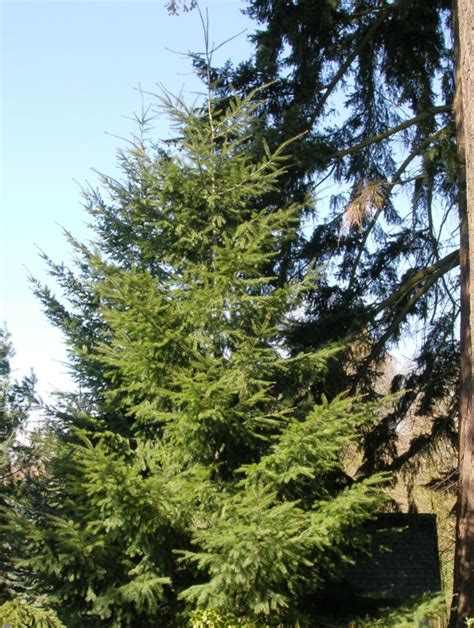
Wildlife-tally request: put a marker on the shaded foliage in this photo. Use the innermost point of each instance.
(370, 86)
(17, 399)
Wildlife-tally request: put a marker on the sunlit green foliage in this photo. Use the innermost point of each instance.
(427, 610)
(196, 469)
(19, 614)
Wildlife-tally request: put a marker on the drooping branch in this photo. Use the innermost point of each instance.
(348, 62)
(442, 266)
(426, 277)
(173, 6)
(422, 281)
(374, 139)
(418, 445)
(394, 181)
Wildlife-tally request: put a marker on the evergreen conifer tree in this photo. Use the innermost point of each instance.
(17, 398)
(195, 469)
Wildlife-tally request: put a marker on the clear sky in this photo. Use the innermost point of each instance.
(69, 77)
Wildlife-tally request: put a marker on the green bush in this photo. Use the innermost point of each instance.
(20, 614)
(428, 607)
(215, 619)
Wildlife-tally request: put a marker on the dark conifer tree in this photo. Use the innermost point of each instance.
(370, 85)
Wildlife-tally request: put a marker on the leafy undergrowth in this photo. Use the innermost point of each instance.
(427, 610)
(20, 614)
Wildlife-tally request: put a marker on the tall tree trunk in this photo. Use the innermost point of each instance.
(463, 590)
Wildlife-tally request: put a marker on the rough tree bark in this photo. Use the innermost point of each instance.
(463, 590)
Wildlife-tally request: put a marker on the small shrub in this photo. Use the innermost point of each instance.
(20, 614)
(428, 608)
(216, 619)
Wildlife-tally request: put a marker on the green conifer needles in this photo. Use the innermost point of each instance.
(203, 473)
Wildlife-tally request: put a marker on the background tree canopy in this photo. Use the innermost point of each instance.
(371, 86)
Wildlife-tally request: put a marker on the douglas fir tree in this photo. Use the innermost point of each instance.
(195, 470)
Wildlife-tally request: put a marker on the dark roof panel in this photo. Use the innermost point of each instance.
(404, 558)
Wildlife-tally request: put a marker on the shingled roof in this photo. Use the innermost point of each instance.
(404, 558)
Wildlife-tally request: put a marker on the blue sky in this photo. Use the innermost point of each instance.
(69, 78)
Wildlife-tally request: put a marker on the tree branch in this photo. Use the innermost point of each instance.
(431, 111)
(428, 276)
(348, 62)
(395, 180)
(445, 264)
